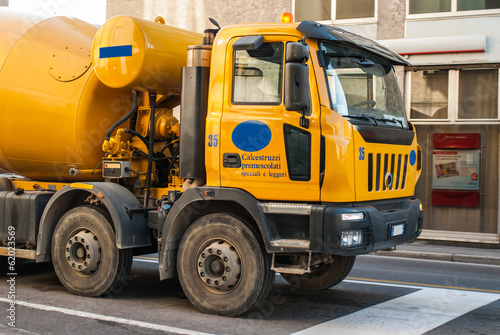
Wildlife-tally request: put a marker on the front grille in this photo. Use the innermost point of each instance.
(387, 172)
(389, 206)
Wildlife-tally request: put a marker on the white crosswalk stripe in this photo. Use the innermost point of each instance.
(414, 313)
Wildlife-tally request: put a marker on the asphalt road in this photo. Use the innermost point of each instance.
(382, 295)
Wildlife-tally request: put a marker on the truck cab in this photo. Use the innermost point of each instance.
(349, 144)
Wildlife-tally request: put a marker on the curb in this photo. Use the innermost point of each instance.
(441, 257)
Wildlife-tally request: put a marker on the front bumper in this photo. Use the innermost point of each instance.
(384, 224)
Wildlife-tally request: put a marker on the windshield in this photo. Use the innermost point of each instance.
(363, 87)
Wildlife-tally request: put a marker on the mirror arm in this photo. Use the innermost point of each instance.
(304, 122)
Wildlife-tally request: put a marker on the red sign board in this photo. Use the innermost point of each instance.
(457, 141)
(455, 198)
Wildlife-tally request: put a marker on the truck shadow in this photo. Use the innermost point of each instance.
(142, 288)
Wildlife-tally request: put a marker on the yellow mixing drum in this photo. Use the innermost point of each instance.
(54, 111)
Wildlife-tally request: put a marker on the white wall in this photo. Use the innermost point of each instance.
(488, 26)
(92, 11)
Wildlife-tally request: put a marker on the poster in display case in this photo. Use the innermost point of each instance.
(456, 169)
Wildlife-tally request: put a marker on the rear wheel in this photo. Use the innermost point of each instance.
(223, 269)
(85, 256)
(323, 275)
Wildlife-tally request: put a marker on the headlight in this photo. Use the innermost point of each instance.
(351, 238)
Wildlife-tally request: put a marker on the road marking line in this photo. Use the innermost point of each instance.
(414, 313)
(145, 260)
(413, 285)
(100, 317)
(144, 257)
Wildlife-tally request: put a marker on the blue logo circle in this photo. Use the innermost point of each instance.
(413, 157)
(251, 136)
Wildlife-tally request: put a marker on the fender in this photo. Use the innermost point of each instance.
(129, 222)
(194, 203)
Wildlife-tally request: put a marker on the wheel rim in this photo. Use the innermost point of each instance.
(219, 266)
(83, 252)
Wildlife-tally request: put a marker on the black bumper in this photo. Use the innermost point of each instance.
(385, 225)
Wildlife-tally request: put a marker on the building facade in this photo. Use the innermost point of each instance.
(194, 14)
(451, 89)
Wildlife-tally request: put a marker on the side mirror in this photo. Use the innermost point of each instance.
(297, 92)
(297, 53)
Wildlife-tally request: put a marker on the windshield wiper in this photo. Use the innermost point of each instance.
(400, 122)
(392, 120)
(364, 116)
(376, 120)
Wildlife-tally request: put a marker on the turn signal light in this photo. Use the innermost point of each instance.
(286, 17)
(353, 216)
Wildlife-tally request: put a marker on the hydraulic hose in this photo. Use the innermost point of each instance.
(133, 110)
(147, 190)
(142, 138)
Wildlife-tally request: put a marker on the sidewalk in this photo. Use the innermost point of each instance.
(447, 251)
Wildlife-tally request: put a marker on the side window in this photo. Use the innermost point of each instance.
(257, 75)
(298, 153)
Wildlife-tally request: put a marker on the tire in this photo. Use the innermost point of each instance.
(223, 268)
(84, 253)
(323, 276)
(5, 184)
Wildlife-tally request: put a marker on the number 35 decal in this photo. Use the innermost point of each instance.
(213, 140)
(361, 154)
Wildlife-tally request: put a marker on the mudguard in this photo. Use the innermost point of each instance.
(194, 203)
(128, 217)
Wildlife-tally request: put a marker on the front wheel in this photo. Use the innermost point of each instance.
(323, 275)
(223, 269)
(85, 256)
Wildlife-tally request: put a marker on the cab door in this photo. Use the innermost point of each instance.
(263, 148)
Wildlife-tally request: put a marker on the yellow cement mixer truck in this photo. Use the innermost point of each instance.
(293, 154)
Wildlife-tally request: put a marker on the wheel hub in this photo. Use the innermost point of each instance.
(219, 266)
(83, 252)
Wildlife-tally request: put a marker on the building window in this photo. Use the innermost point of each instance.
(326, 10)
(463, 5)
(429, 94)
(354, 9)
(451, 7)
(458, 94)
(320, 10)
(429, 6)
(478, 94)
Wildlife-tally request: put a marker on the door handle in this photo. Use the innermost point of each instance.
(230, 160)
